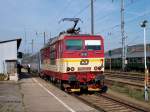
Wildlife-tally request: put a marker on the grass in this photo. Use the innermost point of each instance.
(3, 77)
(131, 92)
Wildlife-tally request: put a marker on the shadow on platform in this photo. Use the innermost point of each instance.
(24, 75)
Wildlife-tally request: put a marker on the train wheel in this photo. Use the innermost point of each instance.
(50, 79)
(41, 75)
(104, 89)
(46, 78)
(84, 90)
(55, 81)
(61, 85)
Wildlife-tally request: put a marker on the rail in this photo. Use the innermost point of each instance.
(126, 77)
(107, 103)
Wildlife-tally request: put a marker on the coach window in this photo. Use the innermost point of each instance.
(73, 44)
(93, 44)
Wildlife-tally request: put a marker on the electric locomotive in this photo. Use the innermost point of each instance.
(74, 61)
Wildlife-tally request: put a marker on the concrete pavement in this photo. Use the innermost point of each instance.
(32, 94)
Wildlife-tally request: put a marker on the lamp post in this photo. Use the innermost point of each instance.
(143, 25)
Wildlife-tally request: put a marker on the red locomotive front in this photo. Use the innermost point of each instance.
(75, 62)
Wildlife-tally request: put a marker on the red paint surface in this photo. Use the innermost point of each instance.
(61, 52)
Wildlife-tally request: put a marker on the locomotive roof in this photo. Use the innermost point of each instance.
(60, 37)
(133, 51)
(54, 39)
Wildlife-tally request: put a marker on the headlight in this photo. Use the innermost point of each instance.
(72, 68)
(68, 68)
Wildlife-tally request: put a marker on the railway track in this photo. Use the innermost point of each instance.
(107, 103)
(127, 75)
(110, 82)
(126, 78)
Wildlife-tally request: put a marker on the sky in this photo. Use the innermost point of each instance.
(28, 19)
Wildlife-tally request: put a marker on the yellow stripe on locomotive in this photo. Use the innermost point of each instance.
(80, 65)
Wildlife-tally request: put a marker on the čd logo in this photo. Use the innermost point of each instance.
(84, 62)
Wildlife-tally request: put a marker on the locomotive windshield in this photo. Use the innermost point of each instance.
(74, 44)
(93, 44)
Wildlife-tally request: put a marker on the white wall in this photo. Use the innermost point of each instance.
(8, 51)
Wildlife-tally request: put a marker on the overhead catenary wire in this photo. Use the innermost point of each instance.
(61, 13)
(107, 15)
(127, 21)
(100, 19)
(77, 14)
(64, 9)
(83, 9)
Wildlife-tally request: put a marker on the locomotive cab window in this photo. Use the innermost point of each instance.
(73, 44)
(93, 44)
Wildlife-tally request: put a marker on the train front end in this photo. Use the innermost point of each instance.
(83, 63)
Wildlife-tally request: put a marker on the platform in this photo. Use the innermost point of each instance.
(36, 95)
(10, 97)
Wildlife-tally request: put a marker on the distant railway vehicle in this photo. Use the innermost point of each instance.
(74, 61)
(135, 58)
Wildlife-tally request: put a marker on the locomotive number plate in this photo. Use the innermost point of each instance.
(84, 68)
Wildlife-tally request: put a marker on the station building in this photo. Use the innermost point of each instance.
(8, 58)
